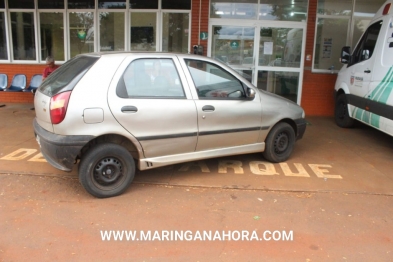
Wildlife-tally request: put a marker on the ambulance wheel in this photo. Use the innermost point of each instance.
(341, 114)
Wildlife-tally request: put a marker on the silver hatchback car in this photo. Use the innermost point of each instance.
(110, 111)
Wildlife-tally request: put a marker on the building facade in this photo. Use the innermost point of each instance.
(287, 47)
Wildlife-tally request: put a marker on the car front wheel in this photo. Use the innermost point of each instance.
(279, 143)
(106, 170)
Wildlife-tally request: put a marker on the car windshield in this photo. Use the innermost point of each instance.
(67, 76)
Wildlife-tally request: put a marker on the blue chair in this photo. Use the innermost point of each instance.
(3, 82)
(35, 82)
(18, 83)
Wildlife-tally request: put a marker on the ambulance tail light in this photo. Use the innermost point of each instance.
(386, 9)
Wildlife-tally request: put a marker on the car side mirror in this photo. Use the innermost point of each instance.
(345, 55)
(250, 93)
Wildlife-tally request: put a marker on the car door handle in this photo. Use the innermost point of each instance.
(129, 109)
(208, 108)
(368, 71)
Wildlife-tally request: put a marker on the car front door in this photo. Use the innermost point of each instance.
(226, 117)
(151, 102)
(362, 61)
(361, 67)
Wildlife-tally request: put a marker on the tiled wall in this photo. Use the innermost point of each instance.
(318, 89)
(11, 70)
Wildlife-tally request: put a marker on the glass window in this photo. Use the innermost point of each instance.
(360, 25)
(150, 78)
(330, 38)
(67, 76)
(233, 45)
(143, 31)
(175, 32)
(51, 4)
(21, 4)
(334, 7)
(111, 31)
(283, 10)
(364, 12)
(3, 38)
(52, 35)
(367, 8)
(176, 4)
(81, 4)
(236, 9)
(334, 32)
(246, 73)
(81, 32)
(280, 47)
(2, 4)
(285, 84)
(112, 4)
(143, 4)
(365, 49)
(23, 36)
(213, 82)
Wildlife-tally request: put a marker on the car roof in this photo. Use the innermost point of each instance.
(109, 53)
(148, 54)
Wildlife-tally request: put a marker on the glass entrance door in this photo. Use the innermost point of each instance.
(279, 68)
(234, 45)
(271, 57)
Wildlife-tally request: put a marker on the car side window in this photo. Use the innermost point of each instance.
(213, 82)
(150, 78)
(365, 48)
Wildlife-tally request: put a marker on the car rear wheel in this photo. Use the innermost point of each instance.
(279, 143)
(341, 112)
(106, 170)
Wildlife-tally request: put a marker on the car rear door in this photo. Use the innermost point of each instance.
(226, 118)
(150, 98)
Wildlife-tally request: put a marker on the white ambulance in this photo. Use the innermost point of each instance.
(364, 85)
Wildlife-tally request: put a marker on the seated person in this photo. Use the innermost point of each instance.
(51, 66)
(157, 78)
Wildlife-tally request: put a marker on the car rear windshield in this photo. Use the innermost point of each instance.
(67, 76)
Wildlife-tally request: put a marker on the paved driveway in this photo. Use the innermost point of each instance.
(331, 201)
(327, 159)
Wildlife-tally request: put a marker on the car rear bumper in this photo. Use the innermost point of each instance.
(301, 127)
(60, 151)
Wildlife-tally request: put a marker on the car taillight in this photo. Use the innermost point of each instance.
(58, 107)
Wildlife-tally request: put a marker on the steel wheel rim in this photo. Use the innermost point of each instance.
(108, 173)
(281, 143)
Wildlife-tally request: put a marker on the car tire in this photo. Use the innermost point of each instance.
(106, 170)
(341, 114)
(279, 143)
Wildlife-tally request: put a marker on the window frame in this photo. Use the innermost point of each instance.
(350, 33)
(359, 48)
(158, 25)
(120, 88)
(98, 34)
(10, 40)
(7, 38)
(241, 84)
(65, 28)
(161, 25)
(96, 11)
